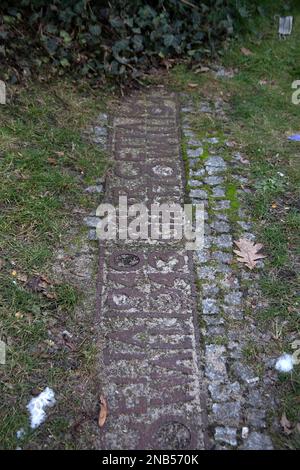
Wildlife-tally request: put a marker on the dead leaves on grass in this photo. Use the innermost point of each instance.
(103, 411)
(248, 252)
(39, 284)
(246, 51)
(286, 424)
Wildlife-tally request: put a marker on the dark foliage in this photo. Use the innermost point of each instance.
(116, 37)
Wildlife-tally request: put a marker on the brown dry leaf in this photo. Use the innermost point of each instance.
(46, 279)
(248, 252)
(168, 63)
(52, 161)
(246, 51)
(103, 411)
(202, 69)
(193, 85)
(286, 424)
(21, 277)
(231, 143)
(49, 295)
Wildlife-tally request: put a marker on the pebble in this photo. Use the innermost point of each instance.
(227, 435)
(94, 189)
(257, 441)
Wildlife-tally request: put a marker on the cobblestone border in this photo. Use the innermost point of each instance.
(99, 135)
(238, 398)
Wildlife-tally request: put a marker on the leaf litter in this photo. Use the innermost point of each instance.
(103, 411)
(248, 252)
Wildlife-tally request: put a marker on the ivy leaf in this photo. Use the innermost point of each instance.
(95, 30)
(64, 63)
(51, 45)
(66, 37)
(169, 40)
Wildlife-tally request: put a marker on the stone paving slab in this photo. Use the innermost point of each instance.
(151, 372)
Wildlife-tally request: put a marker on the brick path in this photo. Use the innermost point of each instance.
(167, 386)
(146, 298)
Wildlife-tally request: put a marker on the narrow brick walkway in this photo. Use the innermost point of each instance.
(147, 309)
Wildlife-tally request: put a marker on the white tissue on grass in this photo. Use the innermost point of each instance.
(37, 405)
(20, 433)
(285, 363)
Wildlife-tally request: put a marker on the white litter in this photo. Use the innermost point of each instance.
(285, 26)
(20, 433)
(252, 380)
(37, 405)
(245, 432)
(285, 363)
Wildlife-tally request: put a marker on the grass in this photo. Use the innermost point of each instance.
(261, 117)
(45, 164)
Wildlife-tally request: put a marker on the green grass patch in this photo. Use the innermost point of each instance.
(45, 165)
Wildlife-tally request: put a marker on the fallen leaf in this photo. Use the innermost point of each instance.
(231, 143)
(202, 69)
(103, 411)
(274, 205)
(68, 343)
(248, 252)
(246, 51)
(50, 295)
(266, 82)
(286, 424)
(14, 273)
(168, 63)
(21, 277)
(193, 85)
(52, 161)
(46, 279)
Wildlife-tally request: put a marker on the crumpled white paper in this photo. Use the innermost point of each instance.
(285, 363)
(37, 406)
